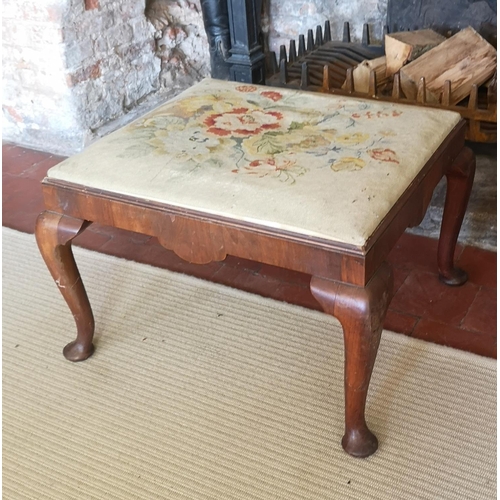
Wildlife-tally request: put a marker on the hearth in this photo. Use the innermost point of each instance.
(318, 63)
(327, 66)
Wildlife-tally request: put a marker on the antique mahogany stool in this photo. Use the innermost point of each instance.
(316, 183)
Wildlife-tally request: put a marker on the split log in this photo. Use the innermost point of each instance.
(361, 74)
(491, 85)
(465, 59)
(406, 46)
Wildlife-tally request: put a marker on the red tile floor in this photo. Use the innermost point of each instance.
(461, 317)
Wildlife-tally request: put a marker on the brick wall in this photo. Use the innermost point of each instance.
(72, 65)
(109, 58)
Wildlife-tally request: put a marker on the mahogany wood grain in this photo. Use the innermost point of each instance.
(459, 178)
(250, 241)
(54, 233)
(361, 311)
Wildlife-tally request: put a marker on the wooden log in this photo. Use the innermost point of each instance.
(361, 74)
(492, 90)
(406, 46)
(465, 59)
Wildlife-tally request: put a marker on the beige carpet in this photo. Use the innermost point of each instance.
(197, 391)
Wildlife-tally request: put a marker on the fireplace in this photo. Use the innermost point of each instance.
(283, 21)
(318, 63)
(76, 69)
(326, 66)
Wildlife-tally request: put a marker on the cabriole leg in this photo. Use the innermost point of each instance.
(459, 179)
(54, 233)
(361, 311)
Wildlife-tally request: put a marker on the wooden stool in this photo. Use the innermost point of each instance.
(315, 183)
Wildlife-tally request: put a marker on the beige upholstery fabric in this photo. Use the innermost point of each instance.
(314, 164)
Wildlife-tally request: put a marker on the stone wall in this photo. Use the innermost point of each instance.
(70, 66)
(181, 42)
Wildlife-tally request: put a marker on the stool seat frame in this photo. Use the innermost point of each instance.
(351, 283)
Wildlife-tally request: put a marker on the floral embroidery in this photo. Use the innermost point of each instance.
(165, 142)
(383, 155)
(387, 133)
(274, 96)
(313, 142)
(265, 144)
(275, 167)
(352, 139)
(266, 133)
(243, 122)
(347, 163)
(196, 105)
(378, 114)
(246, 88)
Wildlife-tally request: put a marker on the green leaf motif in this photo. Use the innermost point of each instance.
(297, 126)
(268, 145)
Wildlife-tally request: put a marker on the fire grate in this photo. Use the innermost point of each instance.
(323, 65)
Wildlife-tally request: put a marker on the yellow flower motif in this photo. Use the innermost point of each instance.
(352, 139)
(349, 163)
(313, 142)
(308, 139)
(387, 133)
(192, 107)
(214, 103)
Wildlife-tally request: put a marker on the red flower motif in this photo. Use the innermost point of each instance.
(242, 122)
(256, 163)
(269, 164)
(356, 115)
(274, 96)
(383, 155)
(397, 113)
(246, 88)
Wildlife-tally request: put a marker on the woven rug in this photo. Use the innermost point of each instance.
(199, 391)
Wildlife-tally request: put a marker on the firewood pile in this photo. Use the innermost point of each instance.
(412, 67)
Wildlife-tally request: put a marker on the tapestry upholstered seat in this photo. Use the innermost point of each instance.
(320, 184)
(318, 165)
